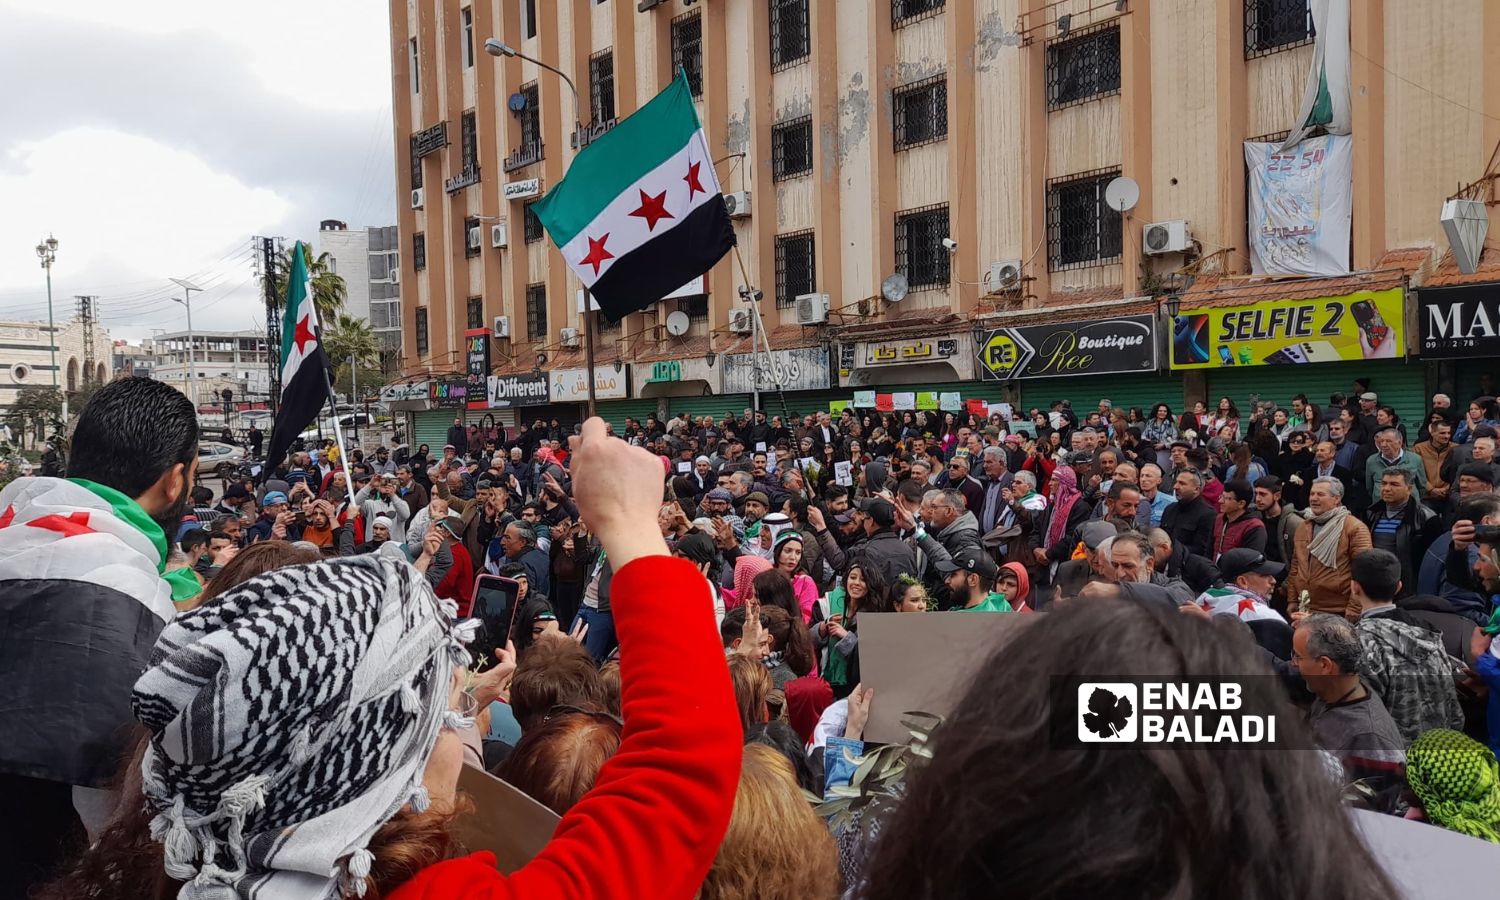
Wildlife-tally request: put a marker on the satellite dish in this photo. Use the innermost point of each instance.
(1122, 193)
(516, 102)
(894, 288)
(677, 323)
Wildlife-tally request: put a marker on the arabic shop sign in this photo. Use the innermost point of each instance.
(404, 393)
(1366, 325)
(1460, 321)
(903, 353)
(665, 370)
(1102, 346)
(572, 385)
(429, 140)
(477, 357)
(506, 391)
(802, 369)
(448, 394)
(520, 190)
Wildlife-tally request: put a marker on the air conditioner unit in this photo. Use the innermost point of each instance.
(473, 238)
(569, 337)
(1170, 236)
(498, 235)
(502, 327)
(1005, 275)
(416, 198)
(395, 276)
(740, 321)
(812, 309)
(737, 204)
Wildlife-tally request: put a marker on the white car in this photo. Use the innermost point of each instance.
(219, 458)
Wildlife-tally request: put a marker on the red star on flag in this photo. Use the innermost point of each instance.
(1245, 605)
(304, 333)
(695, 186)
(653, 209)
(597, 253)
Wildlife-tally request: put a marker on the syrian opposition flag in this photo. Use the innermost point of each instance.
(640, 213)
(304, 365)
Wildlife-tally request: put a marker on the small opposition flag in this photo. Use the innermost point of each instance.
(304, 365)
(640, 212)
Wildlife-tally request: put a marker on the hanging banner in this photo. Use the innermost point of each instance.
(802, 369)
(1097, 347)
(1325, 96)
(507, 391)
(864, 399)
(927, 400)
(1366, 325)
(837, 406)
(1460, 321)
(1301, 206)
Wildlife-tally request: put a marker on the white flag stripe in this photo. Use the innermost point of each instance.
(306, 309)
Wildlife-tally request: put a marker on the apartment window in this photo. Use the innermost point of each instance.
(533, 228)
(385, 314)
(416, 66)
(921, 112)
(473, 239)
(419, 251)
(466, 17)
(531, 116)
(791, 39)
(603, 325)
(380, 266)
(796, 272)
(904, 11)
(536, 311)
(469, 137)
(687, 49)
(421, 328)
(1272, 25)
(1084, 66)
(1082, 230)
(602, 86)
(416, 165)
(695, 306)
(791, 148)
(476, 312)
(528, 18)
(920, 254)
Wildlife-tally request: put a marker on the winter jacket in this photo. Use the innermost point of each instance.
(1405, 663)
(1411, 462)
(1191, 524)
(959, 538)
(1249, 531)
(372, 504)
(1281, 533)
(1419, 527)
(1328, 587)
(1432, 463)
(888, 553)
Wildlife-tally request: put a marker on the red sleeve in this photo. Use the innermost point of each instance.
(652, 825)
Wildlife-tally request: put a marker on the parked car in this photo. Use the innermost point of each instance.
(219, 458)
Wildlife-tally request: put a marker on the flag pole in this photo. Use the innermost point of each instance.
(588, 346)
(338, 440)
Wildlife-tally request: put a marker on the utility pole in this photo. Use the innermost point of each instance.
(187, 300)
(86, 318)
(273, 321)
(353, 395)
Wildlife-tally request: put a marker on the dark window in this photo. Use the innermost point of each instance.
(796, 272)
(473, 239)
(1272, 25)
(695, 306)
(534, 231)
(476, 312)
(416, 164)
(602, 324)
(791, 148)
(1082, 230)
(903, 11)
(536, 311)
(421, 328)
(415, 60)
(470, 138)
(419, 251)
(531, 116)
(528, 18)
(1083, 66)
(921, 112)
(687, 49)
(466, 17)
(602, 86)
(791, 39)
(920, 254)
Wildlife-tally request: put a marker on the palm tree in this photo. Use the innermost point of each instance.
(329, 290)
(347, 337)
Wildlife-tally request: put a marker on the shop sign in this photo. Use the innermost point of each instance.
(404, 393)
(1366, 325)
(477, 355)
(674, 371)
(572, 385)
(429, 140)
(507, 391)
(1102, 346)
(448, 394)
(521, 190)
(802, 369)
(902, 353)
(665, 370)
(1460, 321)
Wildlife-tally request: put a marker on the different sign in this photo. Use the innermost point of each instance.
(802, 369)
(523, 189)
(1367, 325)
(572, 385)
(1102, 346)
(507, 391)
(1460, 321)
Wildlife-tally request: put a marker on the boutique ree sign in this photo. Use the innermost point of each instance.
(1101, 346)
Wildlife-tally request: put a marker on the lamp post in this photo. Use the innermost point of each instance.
(46, 251)
(498, 48)
(187, 301)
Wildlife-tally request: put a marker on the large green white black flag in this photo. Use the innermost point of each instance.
(304, 365)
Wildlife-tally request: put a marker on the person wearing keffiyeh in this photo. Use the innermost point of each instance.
(1456, 782)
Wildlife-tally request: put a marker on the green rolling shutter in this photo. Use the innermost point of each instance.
(615, 411)
(716, 405)
(1400, 383)
(1143, 389)
(1467, 372)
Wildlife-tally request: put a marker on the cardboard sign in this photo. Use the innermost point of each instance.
(1426, 862)
(864, 399)
(885, 402)
(837, 406)
(684, 467)
(843, 473)
(927, 400)
(904, 401)
(1006, 412)
(760, 446)
(505, 821)
(979, 408)
(950, 401)
(896, 655)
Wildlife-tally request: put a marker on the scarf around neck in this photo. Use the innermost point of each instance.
(1327, 529)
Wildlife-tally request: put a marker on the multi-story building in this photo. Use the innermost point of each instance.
(27, 357)
(969, 147)
(233, 360)
(368, 261)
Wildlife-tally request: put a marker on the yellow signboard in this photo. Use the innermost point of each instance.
(1367, 325)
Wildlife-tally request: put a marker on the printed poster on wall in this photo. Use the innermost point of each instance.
(1367, 325)
(1301, 206)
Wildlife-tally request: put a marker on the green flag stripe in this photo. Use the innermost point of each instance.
(296, 290)
(604, 169)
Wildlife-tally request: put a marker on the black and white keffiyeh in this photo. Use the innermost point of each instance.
(290, 718)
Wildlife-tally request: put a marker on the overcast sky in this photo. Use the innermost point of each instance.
(154, 137)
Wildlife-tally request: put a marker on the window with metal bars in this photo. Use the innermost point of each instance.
(1272, 25)
(921, 112)
(602, 324)
(531, 116)
(904, 11)
(421, 329)
(602, 86)
(1082, 229)
(473, 239)
(536, 311)
(687, 49)
(469, 138)
(476, 312)
(533, 230)
(920, 254)
(419, 251)
(791, 36)
(796, 267)
(416, 164)
(1083, 66)
(695, 306)
(791, 148)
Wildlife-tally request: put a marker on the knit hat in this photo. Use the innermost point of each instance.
(272, 498)
(382, 522)
(758, 497)
(719, 494)
(1457, 780)
(784, 538)
(289, 719)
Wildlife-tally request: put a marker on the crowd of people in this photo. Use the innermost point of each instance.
(269, 690)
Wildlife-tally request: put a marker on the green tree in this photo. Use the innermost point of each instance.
(34, 412)
(345, 338)
(329, 290)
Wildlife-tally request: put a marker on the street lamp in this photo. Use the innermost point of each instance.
(46, 251)
(187, 300)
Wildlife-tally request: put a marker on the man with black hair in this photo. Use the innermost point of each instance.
(1281, 520)
(1239, 523)
(83, 561)
(1400, 524)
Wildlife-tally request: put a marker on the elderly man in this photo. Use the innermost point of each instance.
(409, 489)
(1347, 718)
(1322, 549)
(1249, 581)
(993, 510)
(1121, 506)
(1152, 497)
(1391, 453)
(1434, 453)
(960, 480)
(955, 528)
(517, 544)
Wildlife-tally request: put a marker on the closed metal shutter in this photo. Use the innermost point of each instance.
(615, 411)
(716, 405)
(1399, 383)
(1123, 391)
(431, 426)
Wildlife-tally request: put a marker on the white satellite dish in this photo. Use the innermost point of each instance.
(894, 288)
(678, 323)
(1122, 193)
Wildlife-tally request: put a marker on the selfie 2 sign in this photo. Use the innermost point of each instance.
(1367, 325)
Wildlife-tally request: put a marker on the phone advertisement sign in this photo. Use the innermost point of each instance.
(1366, 325)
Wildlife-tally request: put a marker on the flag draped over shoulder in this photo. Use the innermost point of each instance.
(640, 212)
(304, 365)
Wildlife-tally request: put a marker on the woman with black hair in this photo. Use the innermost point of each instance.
(834, 629)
